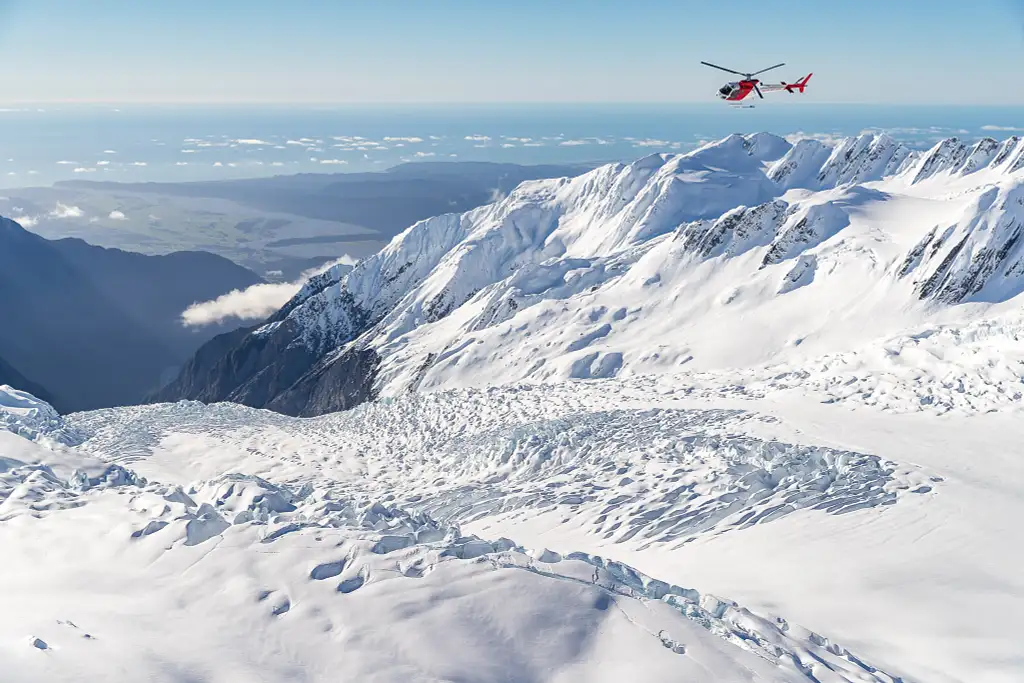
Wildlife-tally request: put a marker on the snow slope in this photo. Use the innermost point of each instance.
(663, 527)
(707, 260)
(750, 413)
(254, 549)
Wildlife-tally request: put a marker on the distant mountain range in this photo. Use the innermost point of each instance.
(279, 226)
(732, 255)
(100, 327)
(385, 203)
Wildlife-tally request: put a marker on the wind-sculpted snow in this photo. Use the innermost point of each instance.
(25, 415)
(657, 476)
(314, 565)
(968, 369)
(37, 475)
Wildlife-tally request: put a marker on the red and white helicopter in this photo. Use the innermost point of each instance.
(737, 90)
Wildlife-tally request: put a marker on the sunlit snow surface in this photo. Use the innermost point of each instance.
(763, 445)
(225, 543)
(222, 543)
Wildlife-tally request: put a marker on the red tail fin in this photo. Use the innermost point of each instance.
(799, 85)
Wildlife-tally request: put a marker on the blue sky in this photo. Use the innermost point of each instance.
(379, 51)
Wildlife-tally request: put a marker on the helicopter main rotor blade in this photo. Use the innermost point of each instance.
(768, 69)
(715, 66)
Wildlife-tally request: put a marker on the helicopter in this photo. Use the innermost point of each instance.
(738, 90)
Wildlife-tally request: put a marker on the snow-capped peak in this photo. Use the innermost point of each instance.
(642, 267)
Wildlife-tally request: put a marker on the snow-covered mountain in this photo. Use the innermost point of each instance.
(795, 457)
(733, 255)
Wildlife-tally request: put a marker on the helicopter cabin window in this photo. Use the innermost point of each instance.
(726, 90)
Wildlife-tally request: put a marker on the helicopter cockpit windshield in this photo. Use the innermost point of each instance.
(727, 90)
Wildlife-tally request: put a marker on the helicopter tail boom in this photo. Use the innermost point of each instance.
(799, 85)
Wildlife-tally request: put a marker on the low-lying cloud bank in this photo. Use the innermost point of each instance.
(252, 303)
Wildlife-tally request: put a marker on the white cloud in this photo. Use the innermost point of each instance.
(82, 169)
(139, 163)
(1004, 129)
(188, 151)
(65, 211)
(423, 155)
(333, 162)
(651, 142)
(507, 145)
(253, 303)
(409, 140)
(217, 163)
(117, 216)
(109, 151)
(478, 138)
(574, 143)
(277, 163)
(181, 163)
(251, 141)
(67, 163)
(831, 139)
(25, 221)
(102, 163)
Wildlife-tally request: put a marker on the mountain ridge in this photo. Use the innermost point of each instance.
(98, 327)
(738, 230)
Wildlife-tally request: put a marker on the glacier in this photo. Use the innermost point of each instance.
(749, 413)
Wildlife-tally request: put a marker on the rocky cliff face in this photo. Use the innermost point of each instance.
(980, 257)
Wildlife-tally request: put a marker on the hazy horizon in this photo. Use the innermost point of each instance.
(174, 143)
(458, 51)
